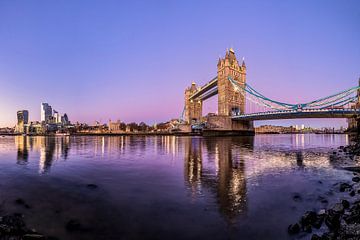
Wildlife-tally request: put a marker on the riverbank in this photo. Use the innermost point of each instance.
(110, 134)
(14, 227)
(342, 219)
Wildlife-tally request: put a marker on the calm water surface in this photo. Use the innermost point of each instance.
(167, 187)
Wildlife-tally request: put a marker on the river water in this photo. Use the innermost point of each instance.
(168, 187)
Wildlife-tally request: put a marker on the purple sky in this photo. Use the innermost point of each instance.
(132, 60)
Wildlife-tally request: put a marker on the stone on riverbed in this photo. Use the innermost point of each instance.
(20, 201)
(338, 208)
(345, 204)
(354, 168)
(328, 236)
(318, 222)
(33, 237)
(322, 200)
(332, 220)
(315, 237)
(73, 225)
(297, 197)
(92, 186)
(308, 218)
(321, 212)
(356, 179)
(311, 219)
(294, 228)
(351, 231)
(344, 187)
(354, 214)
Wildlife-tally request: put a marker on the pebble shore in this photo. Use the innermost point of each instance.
(13, 226)
(342, 219)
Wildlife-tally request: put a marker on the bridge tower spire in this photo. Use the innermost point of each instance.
(229, 100)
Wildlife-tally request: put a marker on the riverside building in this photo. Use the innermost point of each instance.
(22, 121)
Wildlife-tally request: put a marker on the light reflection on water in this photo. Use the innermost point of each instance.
(230, 181)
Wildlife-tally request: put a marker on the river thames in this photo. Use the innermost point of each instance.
(168, 187)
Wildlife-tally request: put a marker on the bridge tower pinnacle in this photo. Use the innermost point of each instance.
(229, 100)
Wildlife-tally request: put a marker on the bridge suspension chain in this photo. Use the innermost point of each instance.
(336, 100)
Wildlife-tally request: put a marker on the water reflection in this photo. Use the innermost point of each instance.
(22, 149)
(229, 180)
(146, 178)
(50, 148)
(193, 164)
(221, 166)
(300, 159)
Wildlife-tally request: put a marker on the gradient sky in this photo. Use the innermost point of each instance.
(132, 60)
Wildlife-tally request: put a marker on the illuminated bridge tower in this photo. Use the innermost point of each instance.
(193, 107)
(230, 101)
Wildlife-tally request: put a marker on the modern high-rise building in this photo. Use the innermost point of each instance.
(46, 112)
(65, 119)
(22, 119)
(57, 117)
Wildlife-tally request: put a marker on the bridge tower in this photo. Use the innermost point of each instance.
(193, 107)
(358, 96)
(229, 100)
(354, 123)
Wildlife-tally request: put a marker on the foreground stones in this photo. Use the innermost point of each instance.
(13, 227)
(342, 220)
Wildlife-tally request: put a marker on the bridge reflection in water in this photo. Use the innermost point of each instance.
(222, 175)
(229, 181)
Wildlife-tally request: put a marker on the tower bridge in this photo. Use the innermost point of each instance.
(239, 104)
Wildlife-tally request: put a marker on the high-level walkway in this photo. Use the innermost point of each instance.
(292, 114)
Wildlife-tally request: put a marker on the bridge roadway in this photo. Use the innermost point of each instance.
(292, 114)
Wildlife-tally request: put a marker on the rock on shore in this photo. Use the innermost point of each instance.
(14, 227)
(341, 220)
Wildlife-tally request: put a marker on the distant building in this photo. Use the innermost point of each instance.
(46, 112)
(57, 117)
(275, 129)
(23, 117)
(36, 128)
(114, 126)
(22, 120)
(65, 119)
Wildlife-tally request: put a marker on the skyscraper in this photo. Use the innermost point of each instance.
(46, 112)
(65, 119)
(57, 117)
(22, 119)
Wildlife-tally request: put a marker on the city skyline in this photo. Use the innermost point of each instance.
(135, 67)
